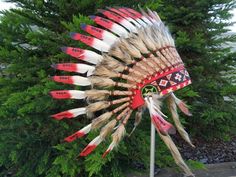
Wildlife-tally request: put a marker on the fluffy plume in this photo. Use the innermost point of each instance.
(176, 155)
(116, 138)
(112, 64)
(138, 43)
(117, 52)
(108, 128)
(105, 72)
(97, 94)
(98, 106)
(133, 51)
(101, 82)
(147, 39)
(138, 118)
(101, 120)
(175, 116)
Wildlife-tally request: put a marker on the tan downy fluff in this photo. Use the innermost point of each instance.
(108, 128)
(117, 52)
(118, 134)
(138, 43)
(101, 82)
(98, 106)
(97, 94)
(115, 65)
(173, 109)
(106, 82)
(103, 71)
(175, 153)
(137, 120)
(146, 38)
(101, 120)
(133, 51)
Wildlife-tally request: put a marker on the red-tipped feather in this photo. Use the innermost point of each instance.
(184, 108)
(91, 41)
(105, 153)
(162, 125)
(74, 136)
(60, 94)
(68, 94)
(83, 38)
(79, 133)
(63, 79)
(71, 67)
(74, 52)
(69, 113)
(91, 146)
(62, 115)
(137, 14)
(88, 150)
(97, 32)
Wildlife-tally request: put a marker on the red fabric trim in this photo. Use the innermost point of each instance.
(138, 100)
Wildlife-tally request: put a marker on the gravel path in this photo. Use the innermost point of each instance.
(212, 152)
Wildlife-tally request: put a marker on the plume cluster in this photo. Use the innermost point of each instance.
(134, 65)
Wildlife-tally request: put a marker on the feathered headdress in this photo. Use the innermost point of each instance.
(135, 65)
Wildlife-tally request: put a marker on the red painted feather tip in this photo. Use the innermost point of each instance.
(105, 153)
(88, 150)
(184, 108)
(62, 115)
(74, 136)
(60, 94)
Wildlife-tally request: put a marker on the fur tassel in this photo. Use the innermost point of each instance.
(176, 155)
(138, 43)
(103, 71)
(102, 82)
(175, 116)
(97, 94)
(133, 51)
(113, 64)
(108, 128)
(146, 39)
(116, 138)
(101, 120)
(98, 106)
(138, 118)
(117, 52)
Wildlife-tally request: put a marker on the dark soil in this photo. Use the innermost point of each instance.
(209, 152)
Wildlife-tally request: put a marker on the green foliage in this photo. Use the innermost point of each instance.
(31, 36)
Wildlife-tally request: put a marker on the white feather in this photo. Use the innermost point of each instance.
(109, 38)
(86, 129)
(141, 22)
(92, 57)
(83, 68)
(146, 20)
(82, 81)
(96, 141)
(100, 45)
(128, 25)
(77, 94)
(119, 30)
(134, 22)
(78, 111)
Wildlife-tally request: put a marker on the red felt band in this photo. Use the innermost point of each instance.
(165, 82)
